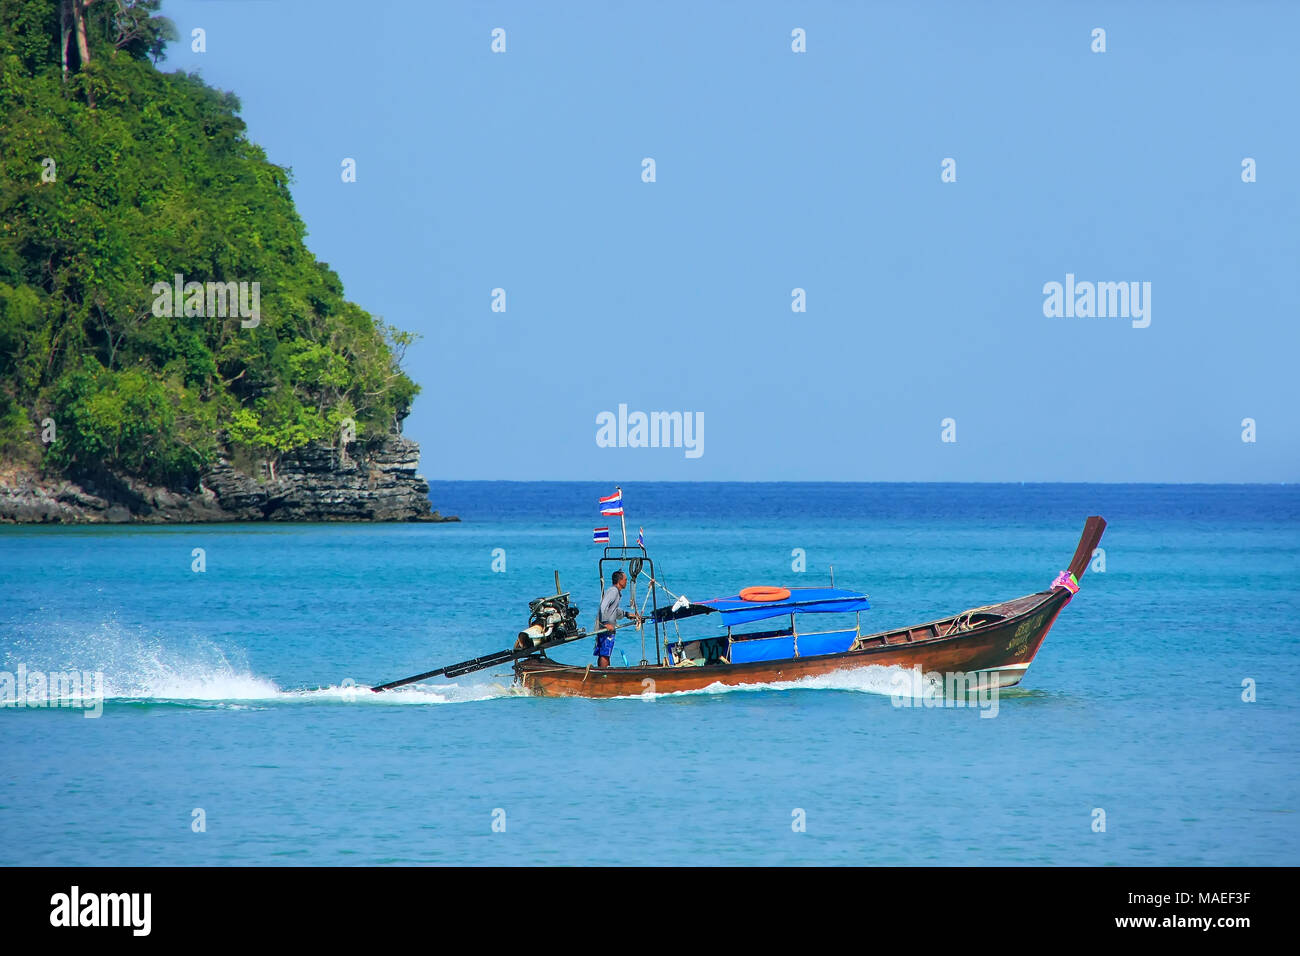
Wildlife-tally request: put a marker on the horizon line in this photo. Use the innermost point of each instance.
(841, 481)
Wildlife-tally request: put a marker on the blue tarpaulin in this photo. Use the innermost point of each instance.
(801, 601)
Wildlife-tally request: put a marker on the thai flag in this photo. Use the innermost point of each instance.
(640, 537)
(613, 505)
(600, 536)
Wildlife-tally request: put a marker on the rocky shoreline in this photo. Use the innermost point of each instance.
(314, 483)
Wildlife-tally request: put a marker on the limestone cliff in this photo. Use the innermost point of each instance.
(314, 483)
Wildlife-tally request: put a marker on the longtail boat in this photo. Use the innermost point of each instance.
(993, 644)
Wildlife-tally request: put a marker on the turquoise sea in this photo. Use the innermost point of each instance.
(230, 697)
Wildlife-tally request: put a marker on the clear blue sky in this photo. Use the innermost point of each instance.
(819, 170)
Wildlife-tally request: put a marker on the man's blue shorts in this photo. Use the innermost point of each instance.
(604, 645)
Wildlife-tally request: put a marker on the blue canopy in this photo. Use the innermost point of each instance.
(801, 601)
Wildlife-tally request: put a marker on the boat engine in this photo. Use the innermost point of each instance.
(549, 618)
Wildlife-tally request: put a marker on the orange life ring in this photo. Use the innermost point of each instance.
(764, 594)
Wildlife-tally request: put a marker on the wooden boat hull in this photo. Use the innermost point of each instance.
(1002, 650)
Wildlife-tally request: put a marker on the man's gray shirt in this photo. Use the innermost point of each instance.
(609, 611)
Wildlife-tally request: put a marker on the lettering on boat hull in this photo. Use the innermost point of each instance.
(1020, 640)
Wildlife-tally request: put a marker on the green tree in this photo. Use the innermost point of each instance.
(115, 176)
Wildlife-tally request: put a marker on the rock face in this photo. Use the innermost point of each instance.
(315, 483)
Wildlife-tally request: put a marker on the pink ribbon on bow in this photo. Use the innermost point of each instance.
(1068, 581)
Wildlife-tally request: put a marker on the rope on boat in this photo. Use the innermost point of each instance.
(676, 629)
(637, 610)
(660, 584)
(962, 621)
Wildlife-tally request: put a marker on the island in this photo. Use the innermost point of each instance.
(170, 350)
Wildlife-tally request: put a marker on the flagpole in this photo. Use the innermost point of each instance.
(622, 519)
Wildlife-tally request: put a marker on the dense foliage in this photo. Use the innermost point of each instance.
(113, 177)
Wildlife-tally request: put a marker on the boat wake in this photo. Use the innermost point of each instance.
(138, 669)
(119, 667)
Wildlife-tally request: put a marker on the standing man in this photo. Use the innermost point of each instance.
(608, 617)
